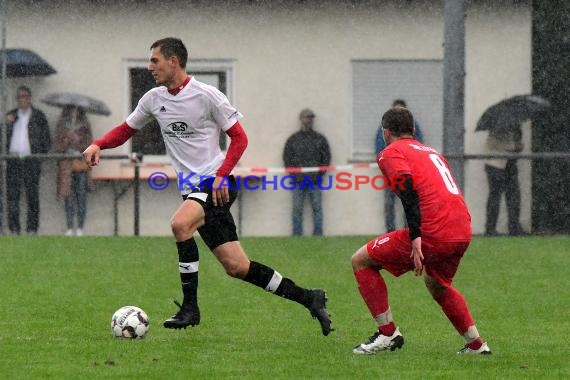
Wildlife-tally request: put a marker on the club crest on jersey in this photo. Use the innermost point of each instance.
(178, 129)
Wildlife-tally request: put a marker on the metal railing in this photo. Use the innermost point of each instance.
(136, 160)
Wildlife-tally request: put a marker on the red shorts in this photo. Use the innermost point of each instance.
(441, 259)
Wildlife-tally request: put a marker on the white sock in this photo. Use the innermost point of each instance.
(471, 334)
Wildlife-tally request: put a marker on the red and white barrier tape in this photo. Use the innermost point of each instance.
(294, 170)
(281, 170)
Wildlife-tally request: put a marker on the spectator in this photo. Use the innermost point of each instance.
(73, 136)
(502, 175)
(307, 148)
(390, 196)
(28, 134)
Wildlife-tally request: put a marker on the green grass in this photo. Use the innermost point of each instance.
(58, 294)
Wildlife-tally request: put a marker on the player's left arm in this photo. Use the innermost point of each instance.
(238, 144)
(411, 203)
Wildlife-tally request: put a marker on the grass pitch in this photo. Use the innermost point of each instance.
(58, 294)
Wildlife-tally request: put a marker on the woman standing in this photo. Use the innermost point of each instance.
(73, 135)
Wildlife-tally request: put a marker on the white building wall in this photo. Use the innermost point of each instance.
(286, 58)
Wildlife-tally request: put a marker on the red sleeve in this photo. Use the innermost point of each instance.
(392, 163)
(236, 149)
(115, 137)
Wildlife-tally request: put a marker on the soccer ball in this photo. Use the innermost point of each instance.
(130, 322)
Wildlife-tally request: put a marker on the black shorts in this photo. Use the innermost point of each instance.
(219, 226)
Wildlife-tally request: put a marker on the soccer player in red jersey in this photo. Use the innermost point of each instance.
(438, 234)
(191, 116)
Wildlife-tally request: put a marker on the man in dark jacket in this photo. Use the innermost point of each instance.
(307, 148)
(27, 134)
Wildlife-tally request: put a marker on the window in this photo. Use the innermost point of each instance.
(148, 140)
(376, 83)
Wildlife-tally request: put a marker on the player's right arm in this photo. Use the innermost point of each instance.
(121, 133)
(417, 256)
(411, 203)
(115, 137)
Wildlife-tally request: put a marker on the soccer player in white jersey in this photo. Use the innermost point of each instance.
(191, 116)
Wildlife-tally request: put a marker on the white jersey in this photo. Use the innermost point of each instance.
(190, 122)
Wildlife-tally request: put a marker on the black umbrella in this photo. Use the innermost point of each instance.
(25, 63)
(512, 112)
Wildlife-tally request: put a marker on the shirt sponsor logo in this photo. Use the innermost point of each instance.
(178, 129)
(178, 126)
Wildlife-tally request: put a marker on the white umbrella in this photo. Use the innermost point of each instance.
(63, 99)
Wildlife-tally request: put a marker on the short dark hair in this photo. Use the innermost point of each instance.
(26, 89)
(171, 46)
(399, 121)
(399, 102)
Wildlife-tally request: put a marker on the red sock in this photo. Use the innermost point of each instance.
(373, 290)
(387, 330)
(455, 308)
(476, 344)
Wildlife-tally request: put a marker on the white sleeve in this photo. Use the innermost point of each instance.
(224, 114)
(141, 115)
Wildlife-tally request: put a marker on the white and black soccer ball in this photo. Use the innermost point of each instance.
(130, 322)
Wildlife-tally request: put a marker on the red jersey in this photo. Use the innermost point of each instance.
(444, 214)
